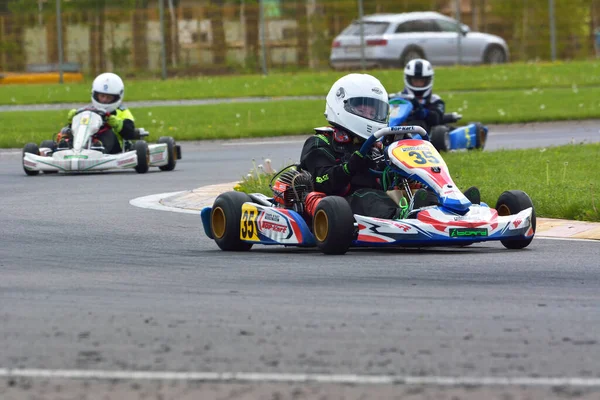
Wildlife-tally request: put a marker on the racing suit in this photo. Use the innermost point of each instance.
(326, 155)
(428, 109)
(109, 138)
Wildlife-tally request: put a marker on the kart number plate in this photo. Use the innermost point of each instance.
(417, 156)
(249, 225)
(84, 120)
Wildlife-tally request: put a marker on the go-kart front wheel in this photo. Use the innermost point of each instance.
(171, 153)
(440, 137)
(333, 225)
(225, 220)
(512, 202)
(143, 156)
(33, 149)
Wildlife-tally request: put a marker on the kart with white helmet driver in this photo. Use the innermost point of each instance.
(86, 153)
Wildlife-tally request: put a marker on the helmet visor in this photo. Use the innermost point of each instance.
(368, 107)
(105, 98)
(419, 81)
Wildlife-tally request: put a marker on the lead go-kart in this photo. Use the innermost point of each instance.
(444, 137)
(237, 220)
(85, 153)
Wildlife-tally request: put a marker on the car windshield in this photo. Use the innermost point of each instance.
(370, 28)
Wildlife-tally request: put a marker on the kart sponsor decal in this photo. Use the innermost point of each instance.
(84, 120)
(468, 137)
(157, 157)
(271, 217)
(517, 222)
(76, 156)
(416, 156)
(28, 163)
(296, 231)
(248, 225)
(130, 160)
(266, 225)
(468, 232)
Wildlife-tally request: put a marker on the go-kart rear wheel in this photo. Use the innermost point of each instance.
(171, 153)
(143, 156)
(440, 137)
(480, 136)
(33, 149)
(512, 202)
(333, 225)
(51, 144)
(225, 219)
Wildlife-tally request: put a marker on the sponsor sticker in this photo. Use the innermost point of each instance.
(468, 232)
(130, 160)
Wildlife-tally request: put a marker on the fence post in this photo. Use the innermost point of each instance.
(262, 34)
(552, 30)
(60, 43)
(363, 65)
(163, 45)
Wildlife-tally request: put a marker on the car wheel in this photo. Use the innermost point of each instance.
(410, 53)
(225, 220)
(143, 156)
(33, 149)
(440, 137)
(333, 225)
(512, 202)
(171, 153)
(494, 54)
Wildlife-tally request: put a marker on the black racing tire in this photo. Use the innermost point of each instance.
(333, 225)
(440, 137)
(480, 136)
(494, 54)
(512, 202)
(48, 143)
(171, 151)
(411, 52)
(225, 220)
(33, 149)
(143, 156)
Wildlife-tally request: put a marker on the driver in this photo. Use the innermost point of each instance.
(107, 94)
(356, 106)
(418, 81)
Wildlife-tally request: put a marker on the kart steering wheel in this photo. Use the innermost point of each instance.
(390, 130)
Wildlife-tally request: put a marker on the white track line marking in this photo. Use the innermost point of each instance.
(153, 202)
(299, 378)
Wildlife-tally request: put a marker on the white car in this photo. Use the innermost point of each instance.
(392, 40)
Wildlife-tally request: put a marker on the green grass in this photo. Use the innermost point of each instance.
(558, 179)
(241, 120)
(498, 77)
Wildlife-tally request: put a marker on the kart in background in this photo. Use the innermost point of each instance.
(444, 137)
(83, 152)
(237, 220)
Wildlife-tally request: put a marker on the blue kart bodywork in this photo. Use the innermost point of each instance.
(443, 137)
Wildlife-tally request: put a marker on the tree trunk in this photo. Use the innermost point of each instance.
(139, 28)
(219, 49)
(172, 36)
(302, 33)
(52, 39)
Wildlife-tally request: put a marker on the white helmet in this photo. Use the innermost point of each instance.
(357, 103)
(418, 77)
(108, 83)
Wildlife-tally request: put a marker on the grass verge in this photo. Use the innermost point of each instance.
(557, 179)
(497, 77)
(241, 120)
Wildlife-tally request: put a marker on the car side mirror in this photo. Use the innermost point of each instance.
(464, 29)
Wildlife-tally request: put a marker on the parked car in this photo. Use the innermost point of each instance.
(392, 40)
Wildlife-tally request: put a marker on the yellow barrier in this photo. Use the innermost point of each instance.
(39, 77)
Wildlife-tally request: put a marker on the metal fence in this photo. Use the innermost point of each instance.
(194, 37)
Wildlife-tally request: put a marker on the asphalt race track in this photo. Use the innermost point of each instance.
(92, 285)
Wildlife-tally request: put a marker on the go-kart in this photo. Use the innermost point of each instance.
(83, 152)
(237, 220)
(444, 137)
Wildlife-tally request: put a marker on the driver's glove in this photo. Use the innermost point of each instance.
(356, 164)
(71, 114)
(115, 123)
